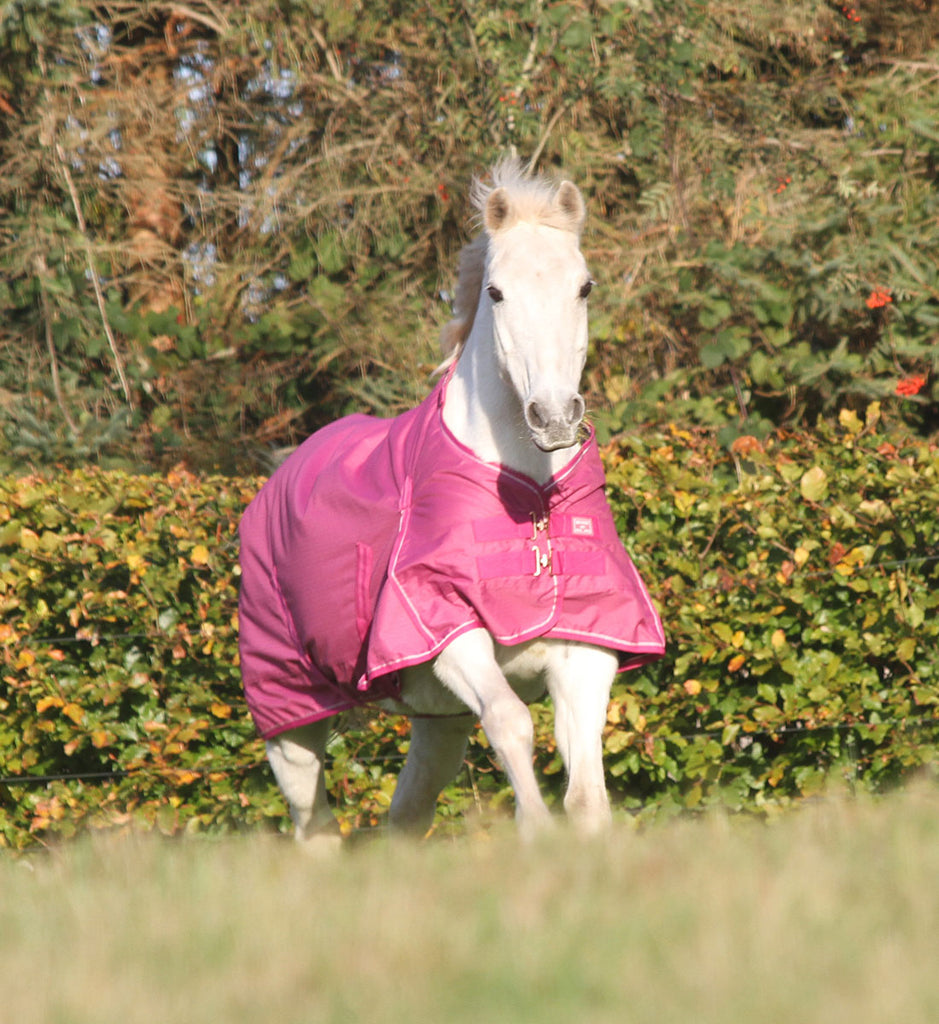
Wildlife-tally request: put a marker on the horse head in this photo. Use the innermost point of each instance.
(534, 293)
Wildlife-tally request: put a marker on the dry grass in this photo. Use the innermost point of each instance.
(830, 914)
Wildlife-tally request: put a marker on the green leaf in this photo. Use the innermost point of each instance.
(330, 255)
(714, 313)
(814, 484)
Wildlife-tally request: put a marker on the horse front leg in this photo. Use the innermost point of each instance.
(469, 669)
(297, 758)
(579, 679)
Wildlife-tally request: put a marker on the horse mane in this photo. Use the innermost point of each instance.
(532, 199)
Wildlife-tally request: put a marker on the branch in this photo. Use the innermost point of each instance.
(93, 273)
(332, 58)
(533, 46)
(41, 272)
(218, 25)
(546, 134)
(79, 217)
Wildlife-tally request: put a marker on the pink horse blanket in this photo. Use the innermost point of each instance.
(378, 542)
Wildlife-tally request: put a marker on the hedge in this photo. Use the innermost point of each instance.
(796, 577)
(797, 581)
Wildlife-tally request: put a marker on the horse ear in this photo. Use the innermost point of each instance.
(571, 203)
(498, 211)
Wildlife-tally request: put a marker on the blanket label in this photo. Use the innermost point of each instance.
(582, 526)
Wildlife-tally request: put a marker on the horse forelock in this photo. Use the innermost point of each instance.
(533, 199)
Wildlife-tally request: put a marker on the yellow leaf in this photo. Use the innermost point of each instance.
(778, 639)
(199, 555)
(75, 713)
(618, 741)
(875, 509)
(736, 663)
(801, 556)
(220, 710)
(44, 703)
(850, 420)
(738, 638)
(100, 738)
(632, 710)
(25, 659)
(859, 555)
(693, 687)
(684, 502)
(906, 649)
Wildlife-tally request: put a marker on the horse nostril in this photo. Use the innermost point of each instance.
(535, 416)
(542, 417)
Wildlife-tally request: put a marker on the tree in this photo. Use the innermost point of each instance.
(220, 229)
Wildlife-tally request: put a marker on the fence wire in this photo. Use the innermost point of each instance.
(904, 726)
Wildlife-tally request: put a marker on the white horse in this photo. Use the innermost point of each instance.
(516, 350)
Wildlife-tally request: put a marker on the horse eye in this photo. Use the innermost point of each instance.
(586, 289)
(494, 293)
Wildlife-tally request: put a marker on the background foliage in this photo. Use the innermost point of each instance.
(223, 225)
(797, 581)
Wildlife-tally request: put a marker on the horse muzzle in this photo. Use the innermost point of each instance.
(554, 425)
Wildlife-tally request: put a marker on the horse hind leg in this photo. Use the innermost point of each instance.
(435, 755)
(297, 758)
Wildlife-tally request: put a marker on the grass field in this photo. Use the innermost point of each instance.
(830, 914)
